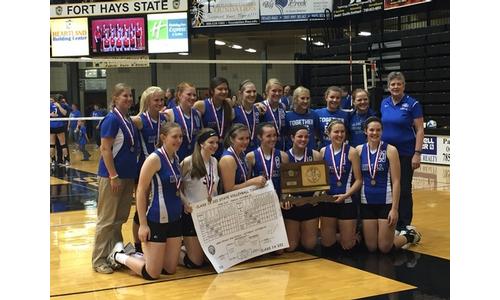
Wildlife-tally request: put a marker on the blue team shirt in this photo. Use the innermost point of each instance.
(74, 114)
(210, 121)
(241, 174)
(357, 135)
(83, 135)
(346, 102)
(325, 116)
(309, 119)
(56, 124)
(253, 118)
(259, 169)
(124, 154)
(279, 115)
(165, 206)
(187, 147)
(346, 175)
(381, 192)
(397, 121)
(148, 137)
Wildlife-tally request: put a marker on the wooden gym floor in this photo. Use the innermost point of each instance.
(422, 272)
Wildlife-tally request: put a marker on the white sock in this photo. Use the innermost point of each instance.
(138, 255)
(182, 254)
(121, 258)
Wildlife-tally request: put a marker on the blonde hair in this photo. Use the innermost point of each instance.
(299, 90)
(270, 82)
(146, 96)
(333, 88)
(181, 87)
(117, 90)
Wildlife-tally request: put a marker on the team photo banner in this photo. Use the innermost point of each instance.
(214, 13)
(292, 10)
(117, 8)
(350, 8)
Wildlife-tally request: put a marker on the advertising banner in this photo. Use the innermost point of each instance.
(353, 7)
(214, 13)
(69, 37)
(391, 4)
(168, 33)
(436, 150)
(292, 10)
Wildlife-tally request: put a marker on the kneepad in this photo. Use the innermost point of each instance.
(146, 275)
(189, 264)
(52, 145)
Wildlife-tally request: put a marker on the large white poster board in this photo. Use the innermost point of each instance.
(240, 225)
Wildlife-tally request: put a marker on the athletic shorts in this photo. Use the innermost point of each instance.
(374, 211)
(187, 225)
(159, 232)
(56, 130)
(301, 213)
(342, 211)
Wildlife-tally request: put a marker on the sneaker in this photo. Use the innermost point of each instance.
(129, 249)
(416, 238)
(103, 269)
(411, 227)
(118, 248)
(66, 162)
(53, 162)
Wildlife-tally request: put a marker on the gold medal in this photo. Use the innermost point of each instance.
(209, 199)
(177, 193)
(339, 183)
(373, 182)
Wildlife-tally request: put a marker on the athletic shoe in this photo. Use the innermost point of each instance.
(416, 238)
(66, 162)
(103, 269)
(129, 249)
(118, 248)
(411, 227)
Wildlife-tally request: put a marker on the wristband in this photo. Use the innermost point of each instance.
(418, 151)
(113, 177)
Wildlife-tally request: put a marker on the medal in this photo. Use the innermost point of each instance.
(125, 122)
(338, 174)
(241, 165)
(209, 178)
(252, 129)
(209, 198)
(220, 127)
(373, 171)
(132, 149)
(177, 179)
(269, 173)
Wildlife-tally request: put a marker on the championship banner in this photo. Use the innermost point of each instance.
(239, 225)
(292, 10)
(117, 8)
(69, 37)
(214, 13)
(436, 150)
(391, 4)
(354, 7)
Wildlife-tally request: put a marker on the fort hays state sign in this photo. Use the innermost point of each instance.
(117, 8)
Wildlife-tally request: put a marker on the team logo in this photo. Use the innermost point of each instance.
(313, 175)
(277, 161)
(211, 249)
(176, 4)
(382, 156)
(59, 10)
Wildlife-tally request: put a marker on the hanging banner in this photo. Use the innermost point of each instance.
(69, 37)
(292, 10)
(117, 8)
(391, 4)
(214, 13)
(240, 225)
(353, 7)
(436, 149)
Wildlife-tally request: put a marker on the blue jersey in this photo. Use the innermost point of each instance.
(276, 117)
(325, 116)
(166, 205)
(241, 174)
(189, 133)
(55, 109)
(308, 157)
(346, 169)
(251, 120)
(346, 102)
(148, 136)
(286, 102)
(273, 162)
(83, 135)
(216, 123)
(398, 123)
(357, 135)
(74, 114)
(381, 192)
(124, 153)
(171, 103)
(309, 119)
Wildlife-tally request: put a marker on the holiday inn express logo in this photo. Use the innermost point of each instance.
(157, 29)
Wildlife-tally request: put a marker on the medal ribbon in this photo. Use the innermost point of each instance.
(269, 174)
(374, 171)
(278, 128)
(209, 177)
(177, 179)
(219, 126)
(148, 117)
(342, 157)
(125, 122)
(295, 158)
(189, 133)
(248, 123)
(240, 163)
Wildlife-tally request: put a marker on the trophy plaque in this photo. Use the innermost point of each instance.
(303, 177)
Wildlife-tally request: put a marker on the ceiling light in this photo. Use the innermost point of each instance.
(183, 53)
(305, 38)
(219, 43)
(364, 33)
(250, 50)
(318, 43)
(236, 46)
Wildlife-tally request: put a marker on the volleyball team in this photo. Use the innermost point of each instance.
(174, 157)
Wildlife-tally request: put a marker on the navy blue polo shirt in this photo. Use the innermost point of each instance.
(398, 123)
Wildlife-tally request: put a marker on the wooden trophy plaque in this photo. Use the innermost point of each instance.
(303, 177)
